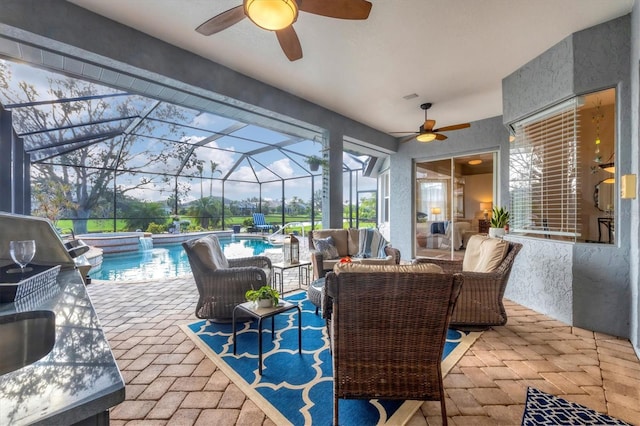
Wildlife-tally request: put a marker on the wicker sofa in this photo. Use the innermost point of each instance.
(347, 245)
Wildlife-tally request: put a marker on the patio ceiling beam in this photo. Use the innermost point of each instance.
(66, 151)
(74, 126)
(106, 135)
(205, 141)
(64, 100)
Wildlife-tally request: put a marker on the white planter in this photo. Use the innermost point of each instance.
(265, 303)
(496, 232)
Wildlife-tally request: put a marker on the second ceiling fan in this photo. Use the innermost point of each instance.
(427, 133)
(279, 16)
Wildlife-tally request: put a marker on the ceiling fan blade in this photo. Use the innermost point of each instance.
(290, 43)
(428, 125)
(408, 138)
(222, 21)
(454, 127)
(342, 9)
(440, 137)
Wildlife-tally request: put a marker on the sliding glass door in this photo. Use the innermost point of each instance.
(452, 202)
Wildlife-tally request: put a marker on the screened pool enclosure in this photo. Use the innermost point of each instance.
(101, 159)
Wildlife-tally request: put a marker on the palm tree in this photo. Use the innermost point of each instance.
(214, 169)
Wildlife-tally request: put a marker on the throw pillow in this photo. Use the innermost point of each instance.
(326, 247)
(484, 254)
(371, 244)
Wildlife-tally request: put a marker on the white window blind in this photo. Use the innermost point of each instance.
(544, 175)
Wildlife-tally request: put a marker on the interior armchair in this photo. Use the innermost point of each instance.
(388, 329)
(486, 268)
(222, 282)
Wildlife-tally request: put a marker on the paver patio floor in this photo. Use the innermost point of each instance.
(171, 382)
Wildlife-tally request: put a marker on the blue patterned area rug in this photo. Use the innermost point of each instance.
(298, 389)
(544, 409)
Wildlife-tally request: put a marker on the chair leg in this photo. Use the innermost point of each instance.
(335, 411)
(443, 410)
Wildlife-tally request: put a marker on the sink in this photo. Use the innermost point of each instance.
(25, 337)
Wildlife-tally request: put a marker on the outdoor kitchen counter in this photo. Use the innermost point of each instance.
(79, 379)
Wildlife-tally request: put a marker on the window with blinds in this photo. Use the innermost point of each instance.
(544, 174)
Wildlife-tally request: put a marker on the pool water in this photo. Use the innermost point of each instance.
(167, 261)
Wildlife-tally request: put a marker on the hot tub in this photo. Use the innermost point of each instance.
(113, 242)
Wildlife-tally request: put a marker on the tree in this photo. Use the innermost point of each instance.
(51, 201)
(139, 214)
(208, 210)
(102, 155)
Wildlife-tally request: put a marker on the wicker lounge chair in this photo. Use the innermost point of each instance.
(480, 303)
(388, 330)
(223, 282)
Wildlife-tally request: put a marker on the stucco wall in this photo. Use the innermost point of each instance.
(596, 293)
(541, 278)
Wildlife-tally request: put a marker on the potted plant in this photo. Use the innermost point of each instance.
(499, 220)
(264, 297)
(315, 162)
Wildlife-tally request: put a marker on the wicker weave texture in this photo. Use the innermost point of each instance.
(221, 290)
(388, 334)
(480, 302)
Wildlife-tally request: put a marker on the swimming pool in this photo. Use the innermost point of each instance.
(167, 261)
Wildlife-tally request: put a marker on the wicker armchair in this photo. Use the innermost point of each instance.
(223, 282)
(388, 331)
(480, 303)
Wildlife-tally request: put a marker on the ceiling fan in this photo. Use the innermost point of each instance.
(279, 15)
(427, 133)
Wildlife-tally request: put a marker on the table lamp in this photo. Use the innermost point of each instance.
(485, 207)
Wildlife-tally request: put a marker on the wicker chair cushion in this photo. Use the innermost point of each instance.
(327, 247)
(210, 253)
(420, 268)
(340, 239)
(484, 254)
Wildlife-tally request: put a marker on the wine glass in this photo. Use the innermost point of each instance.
(22, 252)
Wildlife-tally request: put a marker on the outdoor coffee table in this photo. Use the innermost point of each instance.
(264, 313)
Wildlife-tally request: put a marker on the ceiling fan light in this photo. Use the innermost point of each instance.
(271, 15)
(426, 137)
(475, 162)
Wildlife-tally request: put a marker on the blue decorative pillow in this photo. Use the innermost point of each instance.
(327, 247)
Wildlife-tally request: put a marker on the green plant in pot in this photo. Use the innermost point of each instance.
(315, 162)
(264, 297)
(498, 223)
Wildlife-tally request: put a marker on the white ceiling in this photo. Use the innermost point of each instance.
(453, 53)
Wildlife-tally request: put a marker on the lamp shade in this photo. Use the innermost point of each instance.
(485, 206)
(291, 250)
(271, 15)
(435, 210)
(426, 137)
